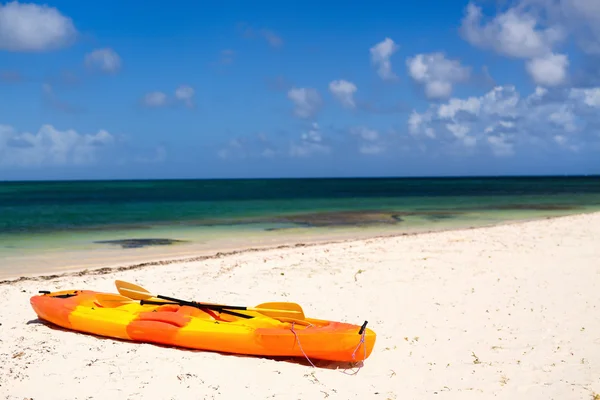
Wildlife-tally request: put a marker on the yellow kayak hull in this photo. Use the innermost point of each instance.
(190, 327)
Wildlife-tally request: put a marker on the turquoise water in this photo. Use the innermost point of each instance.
(33, 207)
(86, 215)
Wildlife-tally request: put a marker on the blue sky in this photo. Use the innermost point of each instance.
(275, 89)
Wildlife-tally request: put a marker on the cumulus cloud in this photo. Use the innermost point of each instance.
(50, 147)
(589, 97)
(343, 91)
(436, 73)
(250, 146)
(186, 94)
(32, 27)
(369, 140)
(514, 33)
(564, 118)
(549, 70)
(580, 17)
(381, 54)
(307, 101)
(502, 121)
(106, 60)
(520, 33)
(311, 142)
(183, 93)
(418, 124)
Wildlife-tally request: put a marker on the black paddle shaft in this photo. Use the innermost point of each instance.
(214, 307)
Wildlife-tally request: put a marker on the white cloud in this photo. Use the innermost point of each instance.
(369, 140)
(416, 121)
(311, 142)
(380, 56)
(366, 133)
(50, 146)
(514, 33)
(503, 121)
(343, 91)
(155, 99)
(106, 60)
(564, 117)
(549, 70)
(471, 105)
(371, 149)
(436, 73)
(580, 17)
(501, 144)
(246, 147)
(307, 101)
(519, 33)
(590, 97)
(32, 27)
(185, 93)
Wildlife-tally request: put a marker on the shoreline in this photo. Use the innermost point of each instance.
(288, 243)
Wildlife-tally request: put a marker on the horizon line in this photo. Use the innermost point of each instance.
(309, 178)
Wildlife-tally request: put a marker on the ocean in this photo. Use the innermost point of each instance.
(57, 225)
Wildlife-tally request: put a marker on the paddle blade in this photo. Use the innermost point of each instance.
(109, 300)
(133, 291)
(293, 310)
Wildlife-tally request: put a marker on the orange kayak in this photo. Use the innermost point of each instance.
(191, 327)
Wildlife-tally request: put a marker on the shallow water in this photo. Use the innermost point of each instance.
(46, 226)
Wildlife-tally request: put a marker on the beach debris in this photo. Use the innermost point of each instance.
(360, 271)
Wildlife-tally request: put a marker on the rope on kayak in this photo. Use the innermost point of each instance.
(362, 333)
(299, 345)
(362, 341)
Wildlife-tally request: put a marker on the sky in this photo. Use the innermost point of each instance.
(236, 89)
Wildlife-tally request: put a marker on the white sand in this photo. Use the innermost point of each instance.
(509, 312)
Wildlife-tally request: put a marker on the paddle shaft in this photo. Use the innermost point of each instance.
(197, 305)
(241, 308)
(212, 306)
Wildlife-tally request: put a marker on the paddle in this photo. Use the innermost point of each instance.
(109, 300)
(271, 309)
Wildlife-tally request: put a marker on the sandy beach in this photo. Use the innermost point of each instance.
(504, 312)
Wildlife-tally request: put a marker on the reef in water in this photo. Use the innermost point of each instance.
(139, 243)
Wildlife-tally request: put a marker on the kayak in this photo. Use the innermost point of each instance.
(203, 329)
